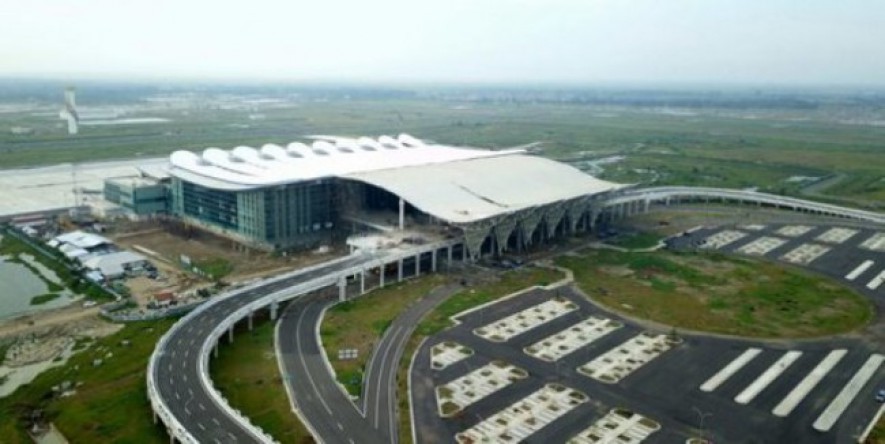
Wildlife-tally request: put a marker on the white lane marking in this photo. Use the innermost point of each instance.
(215, 420)
(808, 383)
(729, 370)
(201, 426)
(202, 407)
(859, 270)
(177, 396)
(340, 427)
(877, 281)
(304, 363)
(380, 383)
(840, 403)
(767, 377)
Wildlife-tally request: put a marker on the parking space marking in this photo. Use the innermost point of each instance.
(767, 377)
(752, 227)
(876, 242)
(859, 270)
(836, 235)
(805, 254)
(447, 353)
(455, 396)
(877, 281)
(762, 246)
(619, 362)
(840, 403)
(526, 416)
(617, 426)
(794, 230)
(808, 384)
(729, 370)
(559, 344)
(516, 324)
(722, 238)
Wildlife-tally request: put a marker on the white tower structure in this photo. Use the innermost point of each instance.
(69, 112)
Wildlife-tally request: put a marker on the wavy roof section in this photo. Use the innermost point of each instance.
(246, 167)
(459, 185)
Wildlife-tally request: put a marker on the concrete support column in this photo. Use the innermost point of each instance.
(463, 252)
(215, 349)
(418, 265)
(250, 320)
(399, 270)
(433, 260)
(230, 334)
(402, 215)
(362, 281)
(381, 275)
(646, 203)
(342, 288)
(449, 255)
(274, 306)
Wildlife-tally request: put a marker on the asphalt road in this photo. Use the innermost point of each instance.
(331, 414)
(177, 372)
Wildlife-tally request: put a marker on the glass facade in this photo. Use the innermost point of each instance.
(286, 216)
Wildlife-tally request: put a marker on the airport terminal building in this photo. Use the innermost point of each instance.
(300, 195)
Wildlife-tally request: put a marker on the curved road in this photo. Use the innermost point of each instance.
(177, 374)
(331, 415)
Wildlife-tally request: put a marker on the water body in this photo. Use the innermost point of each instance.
(18, 284)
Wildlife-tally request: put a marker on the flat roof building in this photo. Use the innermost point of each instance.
(295, 196)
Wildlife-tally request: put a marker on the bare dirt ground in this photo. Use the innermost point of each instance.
(170, 242)
(49, 319)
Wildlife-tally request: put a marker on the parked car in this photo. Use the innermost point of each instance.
(880, 396)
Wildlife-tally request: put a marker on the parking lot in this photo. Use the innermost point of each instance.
(647, 385)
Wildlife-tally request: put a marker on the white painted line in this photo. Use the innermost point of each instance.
(859, 270)
(722, 238)
(579, 335)
(619, 362)
(840, 403)
(516, 324)
(877, 281)
(729, 370)
(767, 377)
(526, 416)
(618, 426)
(802, 389)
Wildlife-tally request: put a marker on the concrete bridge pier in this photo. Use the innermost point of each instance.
(381, 271)
(342, 288)
(230, 334)
(399, 270)
(418, 265)
(251, 313)
(362, 282)
(433, 261)
(449, 256)
(274, 307)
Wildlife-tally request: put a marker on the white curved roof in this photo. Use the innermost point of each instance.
(459, 185)
(245, 167)
(471, 190)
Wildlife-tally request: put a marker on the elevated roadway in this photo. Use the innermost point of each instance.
(639, 199)
(182, 395)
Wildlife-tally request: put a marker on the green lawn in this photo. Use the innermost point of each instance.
(110, 403)
(877, 436)
(712, 292)
(246, 372)
(360, 323)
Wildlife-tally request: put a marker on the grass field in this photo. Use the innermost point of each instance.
(109, 403)
(711, 292)
(360, 323)
(706, 146)
(246, 372)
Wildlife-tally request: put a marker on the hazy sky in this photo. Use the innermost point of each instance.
(583, 41)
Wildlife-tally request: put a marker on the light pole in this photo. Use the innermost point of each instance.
(701, 417)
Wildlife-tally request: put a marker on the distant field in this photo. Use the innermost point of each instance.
(708, 146)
